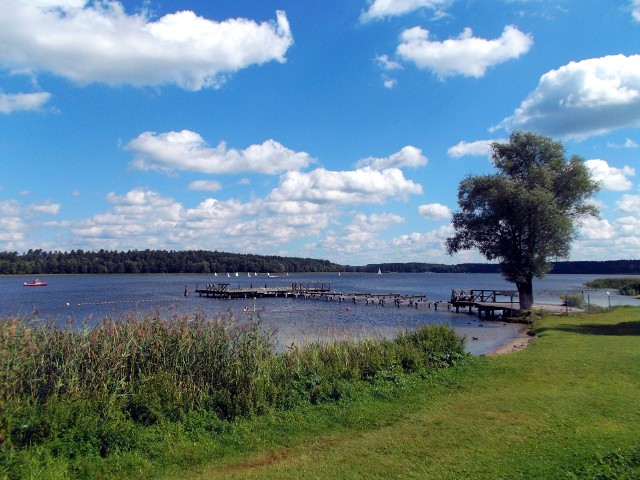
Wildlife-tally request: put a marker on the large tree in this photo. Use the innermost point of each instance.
(527, 213)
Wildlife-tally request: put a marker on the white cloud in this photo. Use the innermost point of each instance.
(596, 229)
(477, 148)
(17, 221)
(606, 240)
(390, 8)
(187, 150)
(629, 204)
(407, 157)
(466, 55)
(362, 237)
(434, 211)
(17, 102)
(389, 82)
(205, 185)
(611, 178)
(364, 185)
(47, 208)
(88, 42)
(635, 10)
(142, 219)
(421, 247)
(387, 64)
(581, 99)
(628, 143)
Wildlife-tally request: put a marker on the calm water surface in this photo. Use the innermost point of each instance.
(93, 297)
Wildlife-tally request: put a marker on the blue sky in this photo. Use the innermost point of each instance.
(325, 129)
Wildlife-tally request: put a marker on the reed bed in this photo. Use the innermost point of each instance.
(147, 369)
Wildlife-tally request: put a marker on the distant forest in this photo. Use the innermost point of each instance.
(39, 262)
(614, 267)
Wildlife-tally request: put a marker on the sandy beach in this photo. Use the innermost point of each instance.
(518, 343)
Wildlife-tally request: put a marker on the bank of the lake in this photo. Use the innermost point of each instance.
(566, 407)
(95, 297)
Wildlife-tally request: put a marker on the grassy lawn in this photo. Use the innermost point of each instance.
(543, 412)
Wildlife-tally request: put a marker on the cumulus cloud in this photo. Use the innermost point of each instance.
(17, 221)
(89, 42)
(146, 219)
(596, 229)
(364, 185)
(417, 246)
(391, 8)
(187, 150)
(434, 211)
(139, 217)
(629, 204)
(581, 99)
(465, 55)
(362, 237)
(407, 157)
(19, 102)
(477, 148)
(610, 178)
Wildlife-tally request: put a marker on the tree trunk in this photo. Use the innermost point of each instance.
(525, 292)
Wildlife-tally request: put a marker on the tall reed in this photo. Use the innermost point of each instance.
(152, 369)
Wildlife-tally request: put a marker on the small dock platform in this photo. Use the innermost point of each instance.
(487, 302)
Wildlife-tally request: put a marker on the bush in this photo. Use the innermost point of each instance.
(90, 393)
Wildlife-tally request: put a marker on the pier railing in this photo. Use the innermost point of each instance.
(480, 296)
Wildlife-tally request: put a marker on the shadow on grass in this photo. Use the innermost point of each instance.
(618, 329)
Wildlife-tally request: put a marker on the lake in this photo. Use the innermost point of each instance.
(94, 297)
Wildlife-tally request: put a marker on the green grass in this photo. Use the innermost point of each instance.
(136, 395)
(567, 407)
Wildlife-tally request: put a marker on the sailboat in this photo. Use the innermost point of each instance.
(379, 272)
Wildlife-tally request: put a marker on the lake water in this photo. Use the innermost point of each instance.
(94, 297)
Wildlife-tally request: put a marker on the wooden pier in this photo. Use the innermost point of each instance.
(222, 290)
(487, 302)
(314, 291)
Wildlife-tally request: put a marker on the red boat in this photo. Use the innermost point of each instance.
(35, 283)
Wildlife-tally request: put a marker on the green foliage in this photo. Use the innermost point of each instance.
(523, 215)
(39, 262)
(80, 395)
(624, 286)
(619, 465)
(575, 301)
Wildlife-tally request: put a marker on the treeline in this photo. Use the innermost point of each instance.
(39, 262)
(607, 267)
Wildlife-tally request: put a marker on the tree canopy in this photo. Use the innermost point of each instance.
(528, 212)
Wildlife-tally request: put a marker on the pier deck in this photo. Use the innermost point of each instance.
(487, 302)
(312, 291)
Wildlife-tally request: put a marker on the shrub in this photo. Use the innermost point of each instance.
(89, 392)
